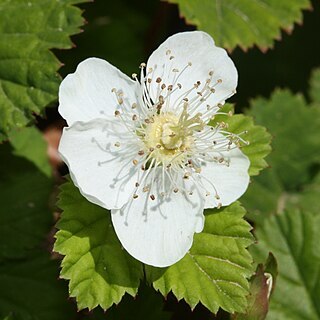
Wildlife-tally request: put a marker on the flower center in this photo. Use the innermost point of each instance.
(169, 138)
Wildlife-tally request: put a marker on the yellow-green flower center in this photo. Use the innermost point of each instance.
(169, 138)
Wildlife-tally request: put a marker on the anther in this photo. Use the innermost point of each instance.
(134, 117)
(146, 189)
(219, 205)
(117, 144)
(158, 146)
(142, 65)
(168, 52)
(152, 197)
(141, 153)
(137, 184)
(163, 86)
(175, 190)
(135, 196)
(149, 80)
(134, 76)
(219, 80)
(117, 113)
(151, 149)
(170, 87)
(211, 73)
(175, 70)
(158, 80)
(189, 64)
(134, 105)
(217, 197)
(179, 85)
(135, 162)
(171, 57)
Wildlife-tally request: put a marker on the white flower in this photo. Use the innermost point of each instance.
(143, 149)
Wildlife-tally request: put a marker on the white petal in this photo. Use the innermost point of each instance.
(102, 170)
(159, 232)
(198, 48)
(86, 94)
(229, 182)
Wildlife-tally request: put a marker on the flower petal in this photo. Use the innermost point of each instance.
(86, 94)
(159, 232)
(229, 182)
(99, 155)
(170, 63)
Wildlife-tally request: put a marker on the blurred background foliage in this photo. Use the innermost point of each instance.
(282, 202)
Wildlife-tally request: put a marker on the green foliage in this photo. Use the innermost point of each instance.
(99, 269)
(243, 23)
(28, 70)
(314, 91)
(30, 144)
(295, 127)
(215, 270)
(24, 216)
(30, 289)
(258, 138)
(148, 304)
(293, 237)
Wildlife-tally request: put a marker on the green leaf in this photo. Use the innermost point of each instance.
(293, 238)
(30, 144)
(295, 127)
(30, 289)
(243, 23)
(148, 304)
(215, 270)
(24, 194)
(314, 91)
(99, 269)
(28, 70)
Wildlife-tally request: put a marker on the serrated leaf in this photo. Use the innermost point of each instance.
(148, 304)
(30, 144)
(295, 127)
(28, 70)
(243, 23)
(257, 136)
(25, 217)
(99, 269)
(293, 238)
(314, 91)
(215, 271)
(30, 289)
